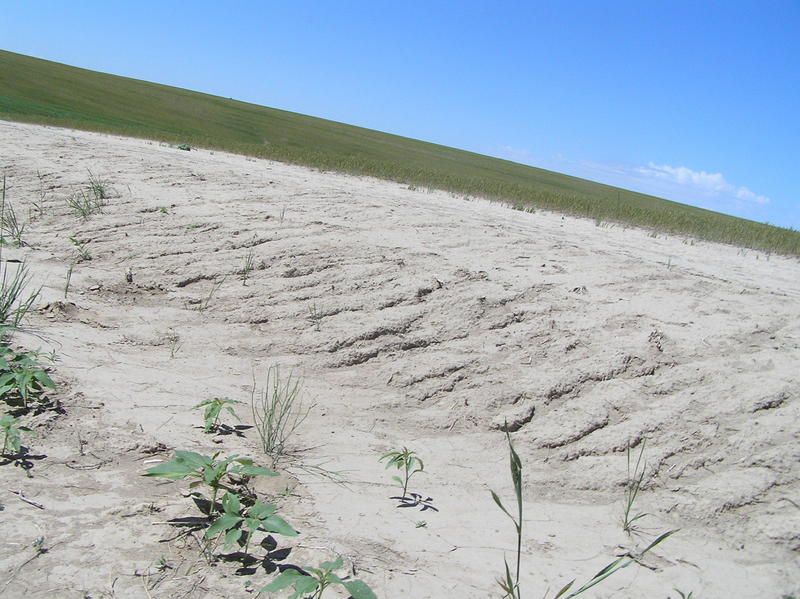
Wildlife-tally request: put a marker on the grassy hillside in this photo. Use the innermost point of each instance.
(39, 91)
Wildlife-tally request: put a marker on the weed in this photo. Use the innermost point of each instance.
(99, 188)
(163, 210)
(420, 524)
(210, 471)
(510, 585)
(22, 379)
(248, 266)
(10, 428)
(9, 223)
(174, 341)
(213, 407)
(312, 582)
(689, 595)
(278, 411)
(633, 485)
(238, 523)
(15, 302)
(84, 204)
(185, 147)
(204, 303)
(315, 316)
(405, 460)
(81, 249)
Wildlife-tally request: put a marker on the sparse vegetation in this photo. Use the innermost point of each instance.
(22, 378)
(510, 584)
(248, 265)
(278, 411)
(81, 248)
(15, 300)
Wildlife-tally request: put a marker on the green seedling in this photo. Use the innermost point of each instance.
(213, 407)
(22, 379)
(81, 249)
(184, 147)
(15, 302)
(68, 279)
(248, 265)
(315, 316)
(633, 485)
(312, 582)
(9, 223)
(405, 460)
(10, 428)
(510, 585)
(238, 523)
(689, 595)
(208, 471)
(278, 411)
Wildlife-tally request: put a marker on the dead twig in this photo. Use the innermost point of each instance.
(21, 495)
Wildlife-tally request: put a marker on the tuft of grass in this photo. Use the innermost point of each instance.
(278, 411)
(15, 300)
(248, 265)
(633, 485)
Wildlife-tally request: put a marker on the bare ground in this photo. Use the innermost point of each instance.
(416, 319)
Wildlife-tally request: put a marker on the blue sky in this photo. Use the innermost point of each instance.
(695, 101)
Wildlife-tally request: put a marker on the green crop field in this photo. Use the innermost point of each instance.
(40, 91)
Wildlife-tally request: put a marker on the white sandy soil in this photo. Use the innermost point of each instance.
(439, 318)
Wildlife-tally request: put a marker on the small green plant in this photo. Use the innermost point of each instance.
(81, 249)
(10, 428)
(238, 523)
(213, 407)
(315, 316)
(205, 302)
(278, 411)
(174, 342)
(248, 266)
(209, 471)
(99, 188)
(184, 147)
(84, 204)
(312, 582)
(22, 379)
(15, 302)
(9, 223)
(510, 585)
(689, 595)
(406, 461)
(633, 485)
(163, 210)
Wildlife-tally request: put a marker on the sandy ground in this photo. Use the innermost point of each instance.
(439, 318)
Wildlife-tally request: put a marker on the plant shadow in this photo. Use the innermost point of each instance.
(414, 500)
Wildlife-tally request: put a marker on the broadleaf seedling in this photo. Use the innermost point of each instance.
(406, 461)
(312, 582)
(213, 408)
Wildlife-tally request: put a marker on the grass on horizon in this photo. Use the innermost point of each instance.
(39, 91)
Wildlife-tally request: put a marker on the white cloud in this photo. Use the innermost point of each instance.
(714, 183)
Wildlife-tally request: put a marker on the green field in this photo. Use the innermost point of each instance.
(40, 91)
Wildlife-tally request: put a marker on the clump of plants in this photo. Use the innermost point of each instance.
(278, 411)
(23, 381)
(10, 428)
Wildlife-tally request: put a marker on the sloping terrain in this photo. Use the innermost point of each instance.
(45, 92)
(417, 319)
